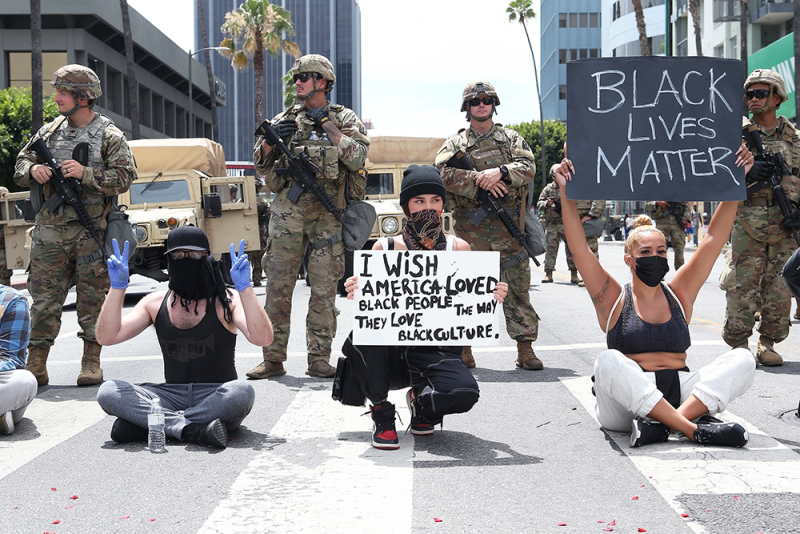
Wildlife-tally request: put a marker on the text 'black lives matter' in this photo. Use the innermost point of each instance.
(655, 128)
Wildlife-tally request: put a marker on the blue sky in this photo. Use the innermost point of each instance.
(417, 56)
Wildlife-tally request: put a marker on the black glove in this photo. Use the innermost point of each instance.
(318, 115)
(286, 129)
(793, 222)
(759, 172)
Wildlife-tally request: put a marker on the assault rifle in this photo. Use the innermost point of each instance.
(67, 189)
(491, 205)
(777, 170)
(304, 173)
(675, 209)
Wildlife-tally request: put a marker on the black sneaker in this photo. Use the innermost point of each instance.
(213, 434)
(722, 434)
(123, 431)
(646, 432)
(419, 427)
(384, 434)
(707, 419)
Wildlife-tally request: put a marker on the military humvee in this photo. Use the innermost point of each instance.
(14, 226)
(182, 182)
(387, 158)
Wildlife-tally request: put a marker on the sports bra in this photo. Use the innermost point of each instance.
(386, 244)
(632, 335)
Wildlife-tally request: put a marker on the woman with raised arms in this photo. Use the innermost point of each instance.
(641, 381)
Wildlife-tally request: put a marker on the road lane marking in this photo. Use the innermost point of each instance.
(299, 467)
(678, 468)
(54, 421)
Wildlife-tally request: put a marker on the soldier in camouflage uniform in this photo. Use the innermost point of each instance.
(504, 163)
(263, 220)
(550, 204)
(61, 247)
(760, 241)
(5, 272)
(337, 143)
(666, 215)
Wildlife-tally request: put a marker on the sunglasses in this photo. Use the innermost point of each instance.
(304, 76)
(487, 101)
(191, 254)
(756, 93)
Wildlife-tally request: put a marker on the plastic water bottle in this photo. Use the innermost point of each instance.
(155, 423)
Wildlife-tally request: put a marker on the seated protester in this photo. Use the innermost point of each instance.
(642, 382)
(196, 322)
(17, 386)
(440, 382)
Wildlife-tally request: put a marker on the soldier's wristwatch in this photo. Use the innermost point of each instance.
(504, 170)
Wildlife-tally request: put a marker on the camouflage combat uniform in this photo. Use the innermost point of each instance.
(60, 246)
(497, 148)
(667, 222)
(292, 227)
(555, 225)
(5, 272)
(760, 247)
(256, 256)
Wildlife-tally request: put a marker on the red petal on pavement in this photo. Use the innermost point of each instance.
(613, 523)
(68, 507)
(608, 529)
(641, 485)
(437, 520)
(601, 520)
(74, 497)
(737, 497)
(125, 517)
(562, 524)
(57, 521)
(634, 498)
(684, 515)
(642, 529)
(52, 489)
(152, 519)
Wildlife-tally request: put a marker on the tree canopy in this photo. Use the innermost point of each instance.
(555, 137)
(15, 128)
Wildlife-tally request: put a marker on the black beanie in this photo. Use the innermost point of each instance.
(421, 180)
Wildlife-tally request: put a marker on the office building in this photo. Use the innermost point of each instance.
(570, 29)
(331, 28)
(90, 33)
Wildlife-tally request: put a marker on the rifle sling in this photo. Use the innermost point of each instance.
(752, 233)
(522, 256)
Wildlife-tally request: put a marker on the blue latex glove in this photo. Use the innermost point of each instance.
(118, 266)
(240, 268)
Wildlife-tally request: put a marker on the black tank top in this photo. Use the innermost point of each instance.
(632, 335)
(203, 354)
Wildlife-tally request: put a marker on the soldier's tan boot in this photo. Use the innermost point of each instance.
(548, 277)
(37, 364)
(321, 369)
(766, 355)
(467, 358)
(91, 373)
(526, 357)
(574, 278)
(266, 369)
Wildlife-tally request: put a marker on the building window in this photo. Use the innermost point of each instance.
(573, 20)
(594, 20)
(584, 53)
(19, 69)
(562, 92)
(112, 90)
(594, 52)
(562, 20)
(562, 55)
(584, 20)
(573, 54)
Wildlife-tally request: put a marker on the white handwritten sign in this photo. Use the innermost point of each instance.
(655, 128)
(425, 298)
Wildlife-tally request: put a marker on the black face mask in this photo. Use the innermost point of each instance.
(191, 279)
(651, 269)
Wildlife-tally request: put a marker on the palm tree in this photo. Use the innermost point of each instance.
(644, 46)
(744, 15)
(796, 30)
(521, 10)
(202, 22)
(256, 26)
(694, 9)
(37, 103)
(133, 87)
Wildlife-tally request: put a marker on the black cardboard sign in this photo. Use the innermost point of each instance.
(655, 128)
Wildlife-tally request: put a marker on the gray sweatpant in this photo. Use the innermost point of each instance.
(17, 390)
(183, 403)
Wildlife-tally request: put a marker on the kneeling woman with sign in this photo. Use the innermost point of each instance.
(440, 382)
(642, 382)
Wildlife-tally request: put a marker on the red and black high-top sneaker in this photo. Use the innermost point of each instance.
(384, 435)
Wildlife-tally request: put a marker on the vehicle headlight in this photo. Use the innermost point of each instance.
(141, 234)
(389, 225)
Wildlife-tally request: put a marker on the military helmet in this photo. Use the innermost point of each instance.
(473, 89)
(769, 77)
(317, 64)
(78, 80)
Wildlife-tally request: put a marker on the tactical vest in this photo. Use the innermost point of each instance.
(489, 153)
(785, 142)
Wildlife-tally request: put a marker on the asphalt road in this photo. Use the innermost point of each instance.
(529, 457)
